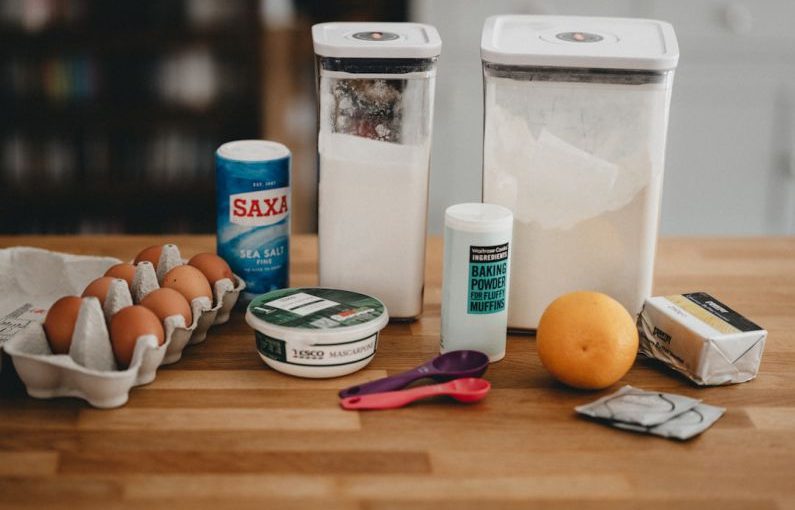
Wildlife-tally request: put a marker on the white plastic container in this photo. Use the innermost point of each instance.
(376, 89)
(316, 332)
(477, 247)
(576, 114)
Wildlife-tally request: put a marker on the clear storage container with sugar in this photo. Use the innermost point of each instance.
(375, 88)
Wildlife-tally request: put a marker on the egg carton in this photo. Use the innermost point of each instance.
(89, 371)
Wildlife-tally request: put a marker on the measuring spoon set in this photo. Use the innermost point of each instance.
(457, 371)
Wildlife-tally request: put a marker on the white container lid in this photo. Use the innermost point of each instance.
(253, 150)
(316, 316)
(376, 40)
(477, 217)
(579, 42)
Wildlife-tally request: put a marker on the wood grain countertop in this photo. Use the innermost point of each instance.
(220, 429)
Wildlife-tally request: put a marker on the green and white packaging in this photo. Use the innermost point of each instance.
(316, 332)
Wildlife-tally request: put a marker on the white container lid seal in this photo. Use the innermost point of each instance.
(478, 217)
(253, 150)
(579, 42)
(316, 316)
(376, 40)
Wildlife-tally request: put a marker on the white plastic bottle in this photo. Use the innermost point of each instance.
(477, 247)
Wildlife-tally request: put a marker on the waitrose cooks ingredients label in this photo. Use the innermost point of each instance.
(488, 270)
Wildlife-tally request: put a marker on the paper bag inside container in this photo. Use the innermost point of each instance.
(702, 338)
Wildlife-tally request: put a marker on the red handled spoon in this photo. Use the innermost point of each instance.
(448, 366)
(467, 390)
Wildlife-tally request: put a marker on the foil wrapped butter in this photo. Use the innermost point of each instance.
(701, 337)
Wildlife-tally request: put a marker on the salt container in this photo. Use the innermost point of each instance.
(376, 90)
(576, 115)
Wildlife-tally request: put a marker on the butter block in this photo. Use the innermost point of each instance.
(701, 337)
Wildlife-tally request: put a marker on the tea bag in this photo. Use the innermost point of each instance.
(686, 425)
(633, 405)
(661, 414)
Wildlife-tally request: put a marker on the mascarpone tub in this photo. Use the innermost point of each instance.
(316, 332)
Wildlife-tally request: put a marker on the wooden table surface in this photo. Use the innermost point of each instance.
(219, 427)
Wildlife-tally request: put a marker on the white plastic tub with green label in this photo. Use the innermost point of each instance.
(316, 332)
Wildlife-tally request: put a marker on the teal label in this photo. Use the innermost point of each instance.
(488, 273)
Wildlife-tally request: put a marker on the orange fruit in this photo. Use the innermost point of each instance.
(587, 340)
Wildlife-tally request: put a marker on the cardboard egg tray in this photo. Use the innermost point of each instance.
(89, 370)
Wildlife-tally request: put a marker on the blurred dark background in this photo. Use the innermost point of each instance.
(112, 110)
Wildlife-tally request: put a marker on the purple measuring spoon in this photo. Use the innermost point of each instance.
(450, 365)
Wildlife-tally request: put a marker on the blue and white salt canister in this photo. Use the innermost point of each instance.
(253, 215)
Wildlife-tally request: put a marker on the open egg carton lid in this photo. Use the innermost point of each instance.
(89, 370)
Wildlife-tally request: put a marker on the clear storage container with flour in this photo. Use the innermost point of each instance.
(375, 87)
(576, 114)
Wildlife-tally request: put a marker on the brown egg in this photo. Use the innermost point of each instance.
(59, 325)
(124, 271)
(167, 302)
(151, 254)
(212, 266)
(99, 288)
(188, 281)
(127, 325)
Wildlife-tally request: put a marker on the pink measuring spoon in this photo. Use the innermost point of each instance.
(445, 367)
(467, 390)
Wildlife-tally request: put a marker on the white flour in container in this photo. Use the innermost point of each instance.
(372, 203)
(580, 165)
